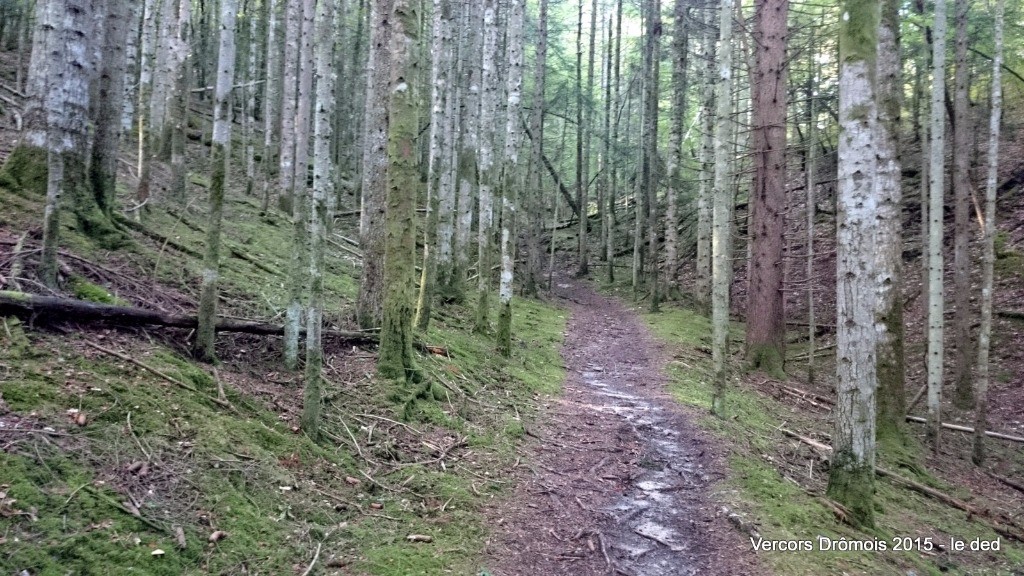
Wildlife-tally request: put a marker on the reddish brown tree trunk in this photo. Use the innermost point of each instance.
(766, 320)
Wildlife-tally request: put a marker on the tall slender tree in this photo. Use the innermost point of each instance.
(319, 215)
(373, 205)
(534, 199)
(581, 171)
(963, 133)
(852, 473)
(988, 261)
(489, 169)
(936, 186)
(510, 177)
(722, 197)
(203, 348)
(705, 191)
(766, 315)
(649, 165)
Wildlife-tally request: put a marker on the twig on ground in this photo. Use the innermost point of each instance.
(316, 556)
(137, 441)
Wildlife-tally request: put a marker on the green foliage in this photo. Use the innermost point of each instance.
(85, 290)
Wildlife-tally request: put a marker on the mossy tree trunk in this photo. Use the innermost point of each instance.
(991, 184)
(680, 41)
(892, 405)
(289, 102)
(203, 348)
(107, 109)
(851, 474)
(510, 173)
(766, 314)
(705, 202)
(468, 164)
(319, 215)
(395, 360)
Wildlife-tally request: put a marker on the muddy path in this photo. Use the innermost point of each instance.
(617, 480)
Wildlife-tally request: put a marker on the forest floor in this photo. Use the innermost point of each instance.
(618, 478)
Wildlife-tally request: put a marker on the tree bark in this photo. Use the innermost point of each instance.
(766, 315)
(203, 347)
(963, 132)
(649, 167)
(510, 173)
(722, 198)
(936, 176)
(889, 239)
(374, 173)
(489, 169)
(319, 215)
(535, 192)
(851, 475)
(705, 191)
(984, 333)
(581, 171)
(395, 359)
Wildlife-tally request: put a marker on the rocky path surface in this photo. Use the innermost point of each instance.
(617, 481)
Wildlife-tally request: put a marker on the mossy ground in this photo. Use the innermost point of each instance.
(422, 468)
(778, 483)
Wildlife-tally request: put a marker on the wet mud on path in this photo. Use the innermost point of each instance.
(616, 479)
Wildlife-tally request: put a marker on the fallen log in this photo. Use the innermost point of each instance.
(53, 309)
(968, 429)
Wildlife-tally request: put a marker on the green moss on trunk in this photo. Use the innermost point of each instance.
(505, 330)
(203, 349)
(25, 171)
(768, 359)
(852, 483)
(891, 396)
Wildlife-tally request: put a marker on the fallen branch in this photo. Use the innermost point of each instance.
(972, 512)
(316, 556)
(1016, 486)
(1015, 314)
(54, 309)
(999, 435)
(917, 397)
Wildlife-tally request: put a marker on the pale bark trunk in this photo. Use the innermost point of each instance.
(374, 171)
(131, 71)
(851, 476)
(468, 165)
(319, 214)
(889, 243)
(810, 188)
(300, 204)
(163, 76)
(289, 102)
(436, 167)
(722, 198)
(489, 169)
(510, 174)
(205, 336)
(963, 395)
(250, 106)
(988, 261)
(178, 110)
(616, 81)
(766, 316)
(936, 175)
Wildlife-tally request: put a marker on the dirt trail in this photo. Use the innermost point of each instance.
(618, 481)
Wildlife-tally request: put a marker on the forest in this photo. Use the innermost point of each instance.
(504, 287)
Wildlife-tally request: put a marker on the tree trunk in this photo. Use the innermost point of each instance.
(271, 100)
(581, 171)
(984, 333)
(178, 111)
(535, 192)
(441, 95)
(374, 173)
(131, 71)
(469, 139)
(936, 191)
(319, 215)
(511, 180)
(298, 277)
(489, 169)
(963, 131)
(650, 146)
(107, 109)
(289, 103)
(851, 475)
(722, 198)
(203, 348)
(395, 359)
(675, 146)
(147, 55)
(766, 315)
(705, 191)
(889, 237)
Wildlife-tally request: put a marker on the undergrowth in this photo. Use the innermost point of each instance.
(106, 465)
